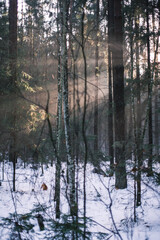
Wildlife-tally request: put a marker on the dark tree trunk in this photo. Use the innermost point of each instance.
(110, 104)
(132, 104)
(13, 79)
(118, 91)
(138, 136)
(84, 121)
(13, 42)
(150, 137)
(156, 91)
(59, 135)
(96, 83)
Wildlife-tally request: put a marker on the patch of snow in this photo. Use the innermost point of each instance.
(104, 203)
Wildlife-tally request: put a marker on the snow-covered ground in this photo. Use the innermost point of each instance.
(111, 211)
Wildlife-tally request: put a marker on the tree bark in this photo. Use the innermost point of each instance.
(13, 41)
(96, 83)
(138, 136)
(110, 75)
(84, 121)
(64, 71)
(13, 79)
(157, 69)
(118, 92)
(150, 137)
(59, 133)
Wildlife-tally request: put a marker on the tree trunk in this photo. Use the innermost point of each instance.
(96, 84)
(150, 138)
(13, 78)
(84, 122)
(138, 136)
(59, 134)
(132, 101)
(13, 42)
(110, 105)
(64, 71)
(118, 91)
(156, 130)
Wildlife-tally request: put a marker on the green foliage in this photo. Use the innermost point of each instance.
(102, 236)
(24, 85)
(18, 224)
(25, 82)
(58, 230)
(68, 227)
(22, 223)
(157, 178)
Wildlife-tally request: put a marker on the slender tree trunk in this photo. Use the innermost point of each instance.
(72, 72)
(22, 24)
(110, 114)
(110, 106)
(96, 83)
(84, 123)
(13, 79)
(118, 91)
(13, 42)
(133, 107)
(30, 33)
(64, 71)
(157, 69)
(138, 125)
(76, 132)
(150, 137)
(59, 135)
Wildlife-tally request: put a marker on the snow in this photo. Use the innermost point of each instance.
(108, 208)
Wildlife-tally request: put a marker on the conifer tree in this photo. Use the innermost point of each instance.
(118, 93)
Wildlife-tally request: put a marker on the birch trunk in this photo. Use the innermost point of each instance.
(64, 71)
(59, 134)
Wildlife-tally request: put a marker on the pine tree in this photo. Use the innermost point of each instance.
(118, 93)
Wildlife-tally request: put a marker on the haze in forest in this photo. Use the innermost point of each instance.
(80, 119)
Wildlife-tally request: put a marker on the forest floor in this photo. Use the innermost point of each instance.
(110, 212)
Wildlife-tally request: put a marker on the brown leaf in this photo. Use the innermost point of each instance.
(44, 187)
